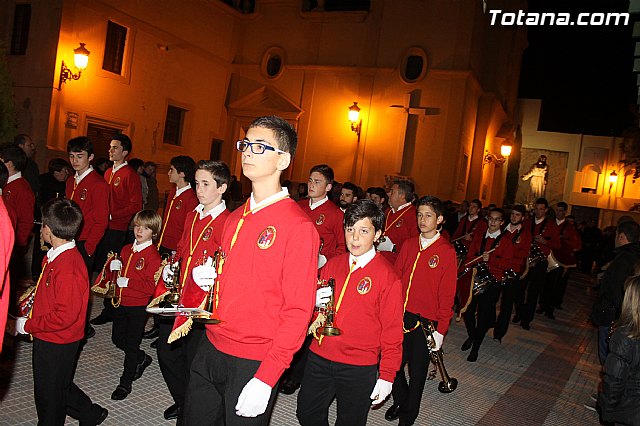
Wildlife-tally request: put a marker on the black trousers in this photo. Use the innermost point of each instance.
(509, 292)
(295, 371)
(530, 291)
(112, 241)
(415, 353)
(562, 286)
(216, 380)
(55, 393)
(126, 334)
(323, 380)
(485, 306)
(175, 359)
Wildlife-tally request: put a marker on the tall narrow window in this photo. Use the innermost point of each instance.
(114, 48)
(174, 125)
(20, 35)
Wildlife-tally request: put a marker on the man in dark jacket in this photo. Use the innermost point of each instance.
(606, 309)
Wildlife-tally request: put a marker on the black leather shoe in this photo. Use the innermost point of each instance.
(154, 344)
(392, 413)
(103, 415)
(526, 327)
(120, 393)
(516, 319)
(141, 367)
(473, 355)
(467, 344)
(100, 320)
(498, 339)
(289, 386)
(151, 334)
(90, 333)
(172, 412)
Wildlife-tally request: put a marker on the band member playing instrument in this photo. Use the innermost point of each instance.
(427, 265)
(136, 281)
(520, 237)
(497, 251)
(400, 223)
(368, 311)
(56, 320)
(202, 236)
(546, 236)
(265, 289)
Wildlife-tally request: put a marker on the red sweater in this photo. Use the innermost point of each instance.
(400, 226)
(521, 247)
(328, 219)
(125, 196)
(92, 195)
(6, 246)
(550, 232)
(499, 260)
(60, 304)
(267, 286)
(433, 286)
(175, 214)
(140, 268)
(473, 227)
(370, 316)
(19, 200)
(569, 243)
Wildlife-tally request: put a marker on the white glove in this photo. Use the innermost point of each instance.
(381, 391)
(204, 276)
(438, 338)
(115, 265)
(323, 294)
(167, 273)
(123, 282)
(322, 260)
(20, 325)
(253, 399)
(386, 244)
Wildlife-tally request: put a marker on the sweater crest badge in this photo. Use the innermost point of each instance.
(320, 219)
(207, 234)
(83, 194)
(267, 238)
(364, 286)
(434, 261)
(117, 181)
(399, 223)
(179, 205)
(140, 264)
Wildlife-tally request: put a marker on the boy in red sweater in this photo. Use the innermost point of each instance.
(368, 311)
(136, 270)
(18, 196)
(427, 264)
(264, 290)
(57, 319)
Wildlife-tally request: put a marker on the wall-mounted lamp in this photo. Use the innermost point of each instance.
(505, 151)
(613, 178)
(80, 59)
(354, 118)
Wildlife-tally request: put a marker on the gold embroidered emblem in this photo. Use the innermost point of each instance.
(267, 238)
(320, 219)
(434, 261)
(117, 181)
(140, 264)
(207, 234)
(83, 194)
(179, 205)
(399, 223)
(364, 286)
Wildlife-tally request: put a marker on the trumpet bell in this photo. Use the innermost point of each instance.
(329, 331)
(172, 298)
(448, 387)
(207, 319)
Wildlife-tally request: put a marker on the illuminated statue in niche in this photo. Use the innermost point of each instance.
(538, 176)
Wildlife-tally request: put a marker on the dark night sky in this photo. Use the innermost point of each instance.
(582, 74)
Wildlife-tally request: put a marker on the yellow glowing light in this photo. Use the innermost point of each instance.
(505, 149)
(354, 112)
(81, 57)
(613, 177)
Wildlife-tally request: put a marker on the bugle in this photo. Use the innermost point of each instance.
(210, 300)
(447, 384)
(329, 328)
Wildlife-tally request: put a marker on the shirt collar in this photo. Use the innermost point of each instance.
(471, 218)
(494, 235)
(181, 190)
(560, 222)
(513, 228)
(401, 207)
(115, 169)
(139, 247)
(83, 175)
(317, 204)
(363, 259)
(426, 242)
(264, 203)
(55, 252)
(214, 212)
(538, 221)
(14, 177)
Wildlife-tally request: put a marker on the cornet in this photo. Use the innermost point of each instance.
(448, 384)
(209, 304)
(113, 285)
(329, 328)
(173, 298)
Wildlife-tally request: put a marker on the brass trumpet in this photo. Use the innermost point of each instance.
(173, 298)
(329, 328)
(209, 304)
(448, 384)
(113, 284)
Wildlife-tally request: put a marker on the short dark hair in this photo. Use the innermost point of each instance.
(151, 219)
(284, 133)
(351, 187)
(362, 209)
(218, 169)
(15, 154)
(406, 187)
(135, 163)
(520, 208)
(63, 217)
(476, 202)
(542, 201)
(562, 205)
(631, 230)
(125, 141)
(4, 175)
(435, 203)
(499, 210)
(21, 139)
(79, 144)
(380, 192)
(57, 165)
(325, 171)
(185, 164)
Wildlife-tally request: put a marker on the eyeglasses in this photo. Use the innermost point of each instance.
(256, 147)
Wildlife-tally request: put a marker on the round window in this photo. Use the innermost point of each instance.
(413, 67)
(273, 62)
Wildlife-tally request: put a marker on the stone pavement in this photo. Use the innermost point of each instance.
(537, 377)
